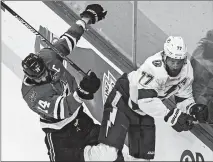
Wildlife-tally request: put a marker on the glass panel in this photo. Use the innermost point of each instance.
(189, 19)
(117, 27)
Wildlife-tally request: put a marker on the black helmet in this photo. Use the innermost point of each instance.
(208, 46)
(33, 66)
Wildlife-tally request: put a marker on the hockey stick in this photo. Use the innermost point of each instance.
(43, 38)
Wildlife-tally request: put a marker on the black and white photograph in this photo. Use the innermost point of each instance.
(107, 81)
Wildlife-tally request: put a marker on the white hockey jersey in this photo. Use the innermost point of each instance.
(150, 83)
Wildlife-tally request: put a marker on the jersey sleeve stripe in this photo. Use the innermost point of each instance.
(146, 93)
(72, 39)
(77, 98)
(62, 109)
(179, 99)
(70, 44)
(59, 108)
(65, 64)
(55, 111)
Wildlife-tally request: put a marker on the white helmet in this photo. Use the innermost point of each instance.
(175, 47)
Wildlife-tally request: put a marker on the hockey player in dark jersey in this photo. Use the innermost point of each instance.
(202, 63)
(136, 100)
(52, 92)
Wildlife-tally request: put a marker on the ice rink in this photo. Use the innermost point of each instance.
(22, 137)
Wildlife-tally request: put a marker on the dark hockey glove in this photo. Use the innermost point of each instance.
(88, 86)
(95, 12)
(200, 112)
(179, 121)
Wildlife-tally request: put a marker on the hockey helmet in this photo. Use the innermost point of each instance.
(207, 44)
(175, 48)
(33, 66)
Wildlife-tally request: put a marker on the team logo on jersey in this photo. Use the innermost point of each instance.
(182, 82)
(157, 63)
(32, 96)
(107, 85)
(56, 72)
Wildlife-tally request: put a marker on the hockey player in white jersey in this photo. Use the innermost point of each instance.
(136, 100)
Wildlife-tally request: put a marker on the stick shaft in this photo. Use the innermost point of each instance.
(43, 38)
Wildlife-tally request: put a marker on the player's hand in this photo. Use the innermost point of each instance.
(95, 12)
(88, 86)
(200, 112)
(179, 120)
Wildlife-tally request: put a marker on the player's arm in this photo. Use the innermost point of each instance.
(148, 85)
(92, 14)
(149, 102)
(66, 42)
(185, 102)
(69, 39)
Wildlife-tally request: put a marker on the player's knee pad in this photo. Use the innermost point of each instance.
(141, 138)
(114, 128)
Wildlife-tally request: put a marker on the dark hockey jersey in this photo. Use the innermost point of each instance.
(202, 63)
(55, 101)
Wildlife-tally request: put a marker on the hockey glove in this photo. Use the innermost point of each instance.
(95, 12)
(88, 86)
(179, 121)
(200, 112)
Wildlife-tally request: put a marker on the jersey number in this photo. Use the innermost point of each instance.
(44, 104)
(145, 78)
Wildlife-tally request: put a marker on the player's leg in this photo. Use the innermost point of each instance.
(115, 123)
(63, 146)
(67, 144)
(141, 138)
(113, 133)
(114, 127)
(50, 147)
(59, 148)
